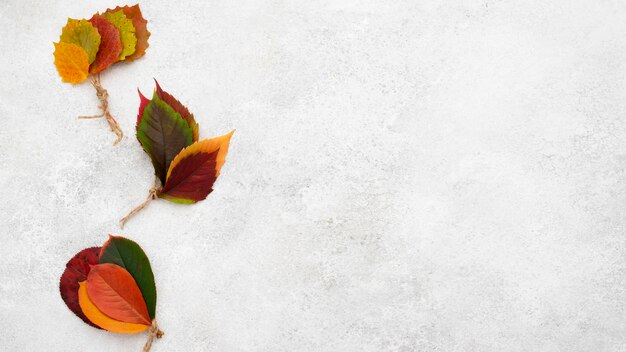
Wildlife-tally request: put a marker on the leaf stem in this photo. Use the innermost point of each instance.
(103, 96)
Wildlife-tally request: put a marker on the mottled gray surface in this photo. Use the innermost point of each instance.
(405, 176)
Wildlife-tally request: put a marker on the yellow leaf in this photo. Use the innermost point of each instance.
(71, 61)
(83, 34)
(133, 13)
(102, 320)
(127, 31)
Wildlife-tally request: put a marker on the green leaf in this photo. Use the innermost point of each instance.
(179, 108)
(163, 133)
(127, 31)
(127, 254)
(83, 34)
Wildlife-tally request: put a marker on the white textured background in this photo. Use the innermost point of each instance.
(405, 176)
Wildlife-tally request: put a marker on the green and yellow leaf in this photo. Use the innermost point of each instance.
(127, 31)
(83, 34)
(141, 30)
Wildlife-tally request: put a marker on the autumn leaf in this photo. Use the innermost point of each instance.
(110, 44)
(71, 62)
(101, 320)
(193, 172)
(143, 102)
(187, 168)
(83, 34)
(128, 255)
(163, 133)
(113, 290)
(141, 30)
(127, 31)
(179, 108)
(76, 270)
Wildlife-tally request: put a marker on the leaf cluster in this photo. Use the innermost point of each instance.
(186, 167)
(91, 46)
(111, 287)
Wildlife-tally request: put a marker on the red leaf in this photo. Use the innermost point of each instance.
(143, 102)
(76, 271)
(110, 44)
(114, 291)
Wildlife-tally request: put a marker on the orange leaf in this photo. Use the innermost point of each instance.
(102, 320)
(193, 171)
(71, 61)
(114, 291)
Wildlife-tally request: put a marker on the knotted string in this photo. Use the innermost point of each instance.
(103, 96)
(152, 194)
(154, 332)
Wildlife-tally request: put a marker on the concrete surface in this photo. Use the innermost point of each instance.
(405, 176)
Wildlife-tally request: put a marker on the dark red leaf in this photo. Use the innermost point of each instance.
(192, 178)
(77, 270)
(193, 172)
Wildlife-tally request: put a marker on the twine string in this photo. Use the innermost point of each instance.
(153, 332)
(103, 97)
(152, 194)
